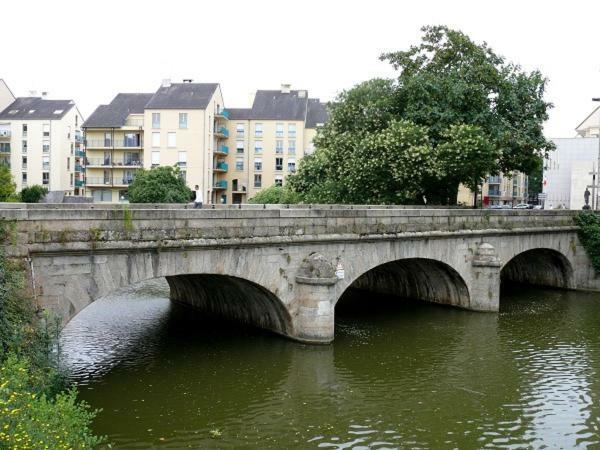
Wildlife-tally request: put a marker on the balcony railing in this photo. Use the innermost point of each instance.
(5, 149)
(222, 149)
(221, 132)
(222, 184)
(494, 180)
(79, 183)
(222, 114)
(108, 143)
(108, 181)
(79, 153)
(78, 168)
(493, 193)
(108, 162)
(221, 167)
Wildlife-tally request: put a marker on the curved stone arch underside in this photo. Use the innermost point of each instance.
(416, 278)
(541, 267)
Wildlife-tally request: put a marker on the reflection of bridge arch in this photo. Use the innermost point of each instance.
(416, 278)
(541, 267)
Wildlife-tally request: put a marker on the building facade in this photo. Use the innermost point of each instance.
(231, 154)
(498, 190)
(40, 140)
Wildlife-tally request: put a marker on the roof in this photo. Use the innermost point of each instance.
(240, 113)
(278, 105)
(591, 121)
(183, 96)
(36, 108)
(115, 113)
(316, 114)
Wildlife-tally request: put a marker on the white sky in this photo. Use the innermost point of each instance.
(91, 50)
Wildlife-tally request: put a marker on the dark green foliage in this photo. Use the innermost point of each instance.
(33, 194)
(7, 185)
(159, 185)
(275, 195)
(536, 177)
(456, 113)
(589, 234)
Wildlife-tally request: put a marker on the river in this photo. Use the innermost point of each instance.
(400, 374)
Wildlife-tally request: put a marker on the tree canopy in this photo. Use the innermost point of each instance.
(7, 185)
(278, 195)
(455, 113)
(159, 185)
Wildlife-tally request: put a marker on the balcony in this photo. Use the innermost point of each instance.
(222, 150)
(98, 162)
(108, 143)
(5, 149)
(221, 132)
(221, 167)
(4, 134)
(78, 138)
(79, 153)
(493, 193)
(222, 114)
(494, 180)
(78, 168)
(117, 162)
(79, 183)
(123, 181)
(222, 184)
(101, 181)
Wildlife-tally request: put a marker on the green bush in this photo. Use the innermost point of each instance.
(589, 234)
(30, 420)
(33, 194)
(159, 185)
(7, 185)
(276, 195)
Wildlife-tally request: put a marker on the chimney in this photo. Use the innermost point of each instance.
(301, 94)
(44, 94)
(285, 88)
(166, 82)
(187, 80)
(33, 93)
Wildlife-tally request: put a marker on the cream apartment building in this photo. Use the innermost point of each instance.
(499, 190)
(268, 140)
(41, 140)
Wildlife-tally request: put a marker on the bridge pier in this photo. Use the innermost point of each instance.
(485, 285)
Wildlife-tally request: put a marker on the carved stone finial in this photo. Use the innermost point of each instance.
(316, 269)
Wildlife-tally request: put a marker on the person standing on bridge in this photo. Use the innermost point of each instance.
(198, 199)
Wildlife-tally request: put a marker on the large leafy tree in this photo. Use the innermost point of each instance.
(455, 113)
(159, 185)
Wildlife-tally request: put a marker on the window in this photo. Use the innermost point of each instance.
(182, 159)
(279, 130)
(183, 175)
(24, 130)
(258, 130)
(155, 158)
(292, 147)
(257, 180)
(258, 164)
(24, 146)
(239, 164)
(155, 120)
(183, 120)
(278, 163)
(46, 130)
(45, 163)
(291, 165)
(46, 146)
(279, 147)
(58, 111)
(107, 139)
(258, 146)
(291, 130)
(278, 180)
(76, 119)
(4, 147)
(68, 163)
(239, 146)
(102, 195)
(45, 177)
(24, 162)
(171, 140)
(131, 140)
(24, 178)
(239, 129)
(155, 139)
(71, 179)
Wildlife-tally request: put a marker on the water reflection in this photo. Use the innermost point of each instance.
(399, 374)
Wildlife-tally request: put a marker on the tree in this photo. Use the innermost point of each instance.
(7, 185)
(159, 185)
(278, 195)
(455, 113)
(33, 194)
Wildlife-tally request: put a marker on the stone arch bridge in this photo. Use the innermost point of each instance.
(284, 269)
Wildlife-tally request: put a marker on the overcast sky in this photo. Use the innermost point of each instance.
(89, 53)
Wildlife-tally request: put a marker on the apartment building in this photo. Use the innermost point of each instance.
(268, 140)
(499, 190)
(40, 140)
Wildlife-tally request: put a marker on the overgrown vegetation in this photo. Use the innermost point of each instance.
(456, 113)
(33, 194)
(159, 185)
(589, 234)
(7, 185)
(36, 410)
(276, 195)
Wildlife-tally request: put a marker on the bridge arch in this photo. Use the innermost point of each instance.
(540, 267)
(415, 278)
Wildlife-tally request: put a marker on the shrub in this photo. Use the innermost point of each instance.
(159, 185)
(33, 194)
(589, 234)
(276, 195)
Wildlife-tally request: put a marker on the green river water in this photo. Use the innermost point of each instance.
(399, 375)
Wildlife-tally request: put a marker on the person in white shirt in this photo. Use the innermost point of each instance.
(198, 199)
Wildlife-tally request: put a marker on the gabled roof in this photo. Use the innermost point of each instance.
(240, 113)
(183, 96)
(591, 121)
(278, 105)
(36, 108)
(316, 114)
(115, 113)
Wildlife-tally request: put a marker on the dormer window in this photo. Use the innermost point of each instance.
(58, 111)
(13, 111)
(31, 111)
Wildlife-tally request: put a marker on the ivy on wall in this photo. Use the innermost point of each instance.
(589, 234)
